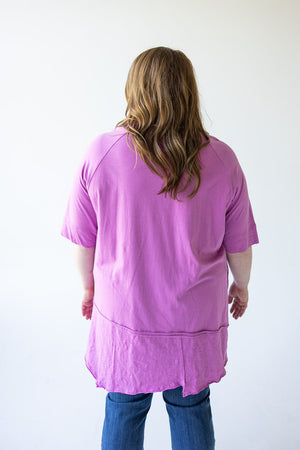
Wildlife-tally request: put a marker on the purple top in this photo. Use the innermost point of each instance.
(160, 314)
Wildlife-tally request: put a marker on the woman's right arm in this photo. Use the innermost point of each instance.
(240, 266)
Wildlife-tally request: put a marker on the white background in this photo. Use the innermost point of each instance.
(63, 70)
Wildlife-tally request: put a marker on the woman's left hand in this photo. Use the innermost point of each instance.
(87, 303)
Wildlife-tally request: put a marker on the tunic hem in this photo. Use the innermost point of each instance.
(122, 361)
(185, 391)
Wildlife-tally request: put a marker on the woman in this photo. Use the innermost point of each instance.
(157, 211)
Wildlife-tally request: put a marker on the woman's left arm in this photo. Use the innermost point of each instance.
(84, 258)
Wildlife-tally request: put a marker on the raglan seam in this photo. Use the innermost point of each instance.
(216, 153)
(223, 163)
(114, 143)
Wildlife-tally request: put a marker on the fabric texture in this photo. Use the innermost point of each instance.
(160, 316)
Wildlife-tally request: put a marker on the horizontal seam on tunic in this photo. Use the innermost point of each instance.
(164, 333)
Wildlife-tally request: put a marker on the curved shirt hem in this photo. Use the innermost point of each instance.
(124, 361)
(160, 388)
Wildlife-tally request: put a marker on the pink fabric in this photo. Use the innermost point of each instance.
(160, 317)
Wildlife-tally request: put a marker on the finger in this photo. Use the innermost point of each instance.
(239, 312)
(241, 307)
(236, 314)
(238, 306)
(87, 307)
(233, 307)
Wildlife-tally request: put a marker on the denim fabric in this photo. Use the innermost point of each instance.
(190, 419)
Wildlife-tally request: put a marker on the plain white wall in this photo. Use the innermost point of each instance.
(63, 70)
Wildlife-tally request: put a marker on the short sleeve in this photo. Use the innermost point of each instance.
(240, 227)
(80, 219)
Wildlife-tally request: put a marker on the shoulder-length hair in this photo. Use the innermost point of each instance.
(163, 116)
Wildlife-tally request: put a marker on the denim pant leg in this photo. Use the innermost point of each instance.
(190, 419)
(124, 422)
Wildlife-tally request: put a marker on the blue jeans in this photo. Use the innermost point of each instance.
(190, 420)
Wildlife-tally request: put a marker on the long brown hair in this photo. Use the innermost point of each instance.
(163, 116)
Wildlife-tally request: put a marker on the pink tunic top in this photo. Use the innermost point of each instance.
(161, 315)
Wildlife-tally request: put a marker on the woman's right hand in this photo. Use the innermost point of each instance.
(240, 300)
